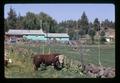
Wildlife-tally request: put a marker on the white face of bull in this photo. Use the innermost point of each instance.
(61, 59)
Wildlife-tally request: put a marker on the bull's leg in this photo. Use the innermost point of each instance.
(63, 66)
(43, 67)
(56, 66)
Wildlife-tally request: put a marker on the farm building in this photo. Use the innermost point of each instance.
(58, 36)
(110, 35)
(36, 35)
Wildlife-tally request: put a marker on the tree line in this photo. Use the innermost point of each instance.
(75, 28)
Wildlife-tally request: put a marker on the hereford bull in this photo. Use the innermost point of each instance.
(56, 60)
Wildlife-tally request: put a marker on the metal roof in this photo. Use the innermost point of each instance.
(57, 35)
(24, 32)
(35, 32)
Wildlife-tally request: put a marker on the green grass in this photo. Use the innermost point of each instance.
(22, 66)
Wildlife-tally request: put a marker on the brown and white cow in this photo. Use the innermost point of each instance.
(55, 59)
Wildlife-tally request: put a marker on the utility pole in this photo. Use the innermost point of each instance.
(81, 51)
(42, 29)
(99, 61)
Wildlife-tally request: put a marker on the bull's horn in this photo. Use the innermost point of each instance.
(56, 56)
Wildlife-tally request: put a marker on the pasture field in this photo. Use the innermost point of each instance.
(22, 65)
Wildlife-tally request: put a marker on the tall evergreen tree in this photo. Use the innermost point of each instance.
(106, 24)
(6, 25)
(11, 19)
(81, 32)
(71, 33)
(92, 33)
(53, 26)
(102, 37)
(19, 23)
(83, 23)
(96, 24)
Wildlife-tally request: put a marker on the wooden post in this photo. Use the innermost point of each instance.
(71, 62)
(49, 51)
(65, 60)
(99, 61)
(43, 48)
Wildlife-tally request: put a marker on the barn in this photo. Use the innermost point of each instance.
(36, 35)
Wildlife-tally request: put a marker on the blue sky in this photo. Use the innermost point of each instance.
(63, 12)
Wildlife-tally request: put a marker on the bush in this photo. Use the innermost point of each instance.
(102, 40)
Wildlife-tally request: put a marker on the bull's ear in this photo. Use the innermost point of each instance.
(56, 57)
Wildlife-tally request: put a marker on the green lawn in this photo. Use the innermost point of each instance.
(22, 66)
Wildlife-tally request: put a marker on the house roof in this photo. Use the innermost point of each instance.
(110, 33)
(57, 35)
(35, 32)
(22, 32)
